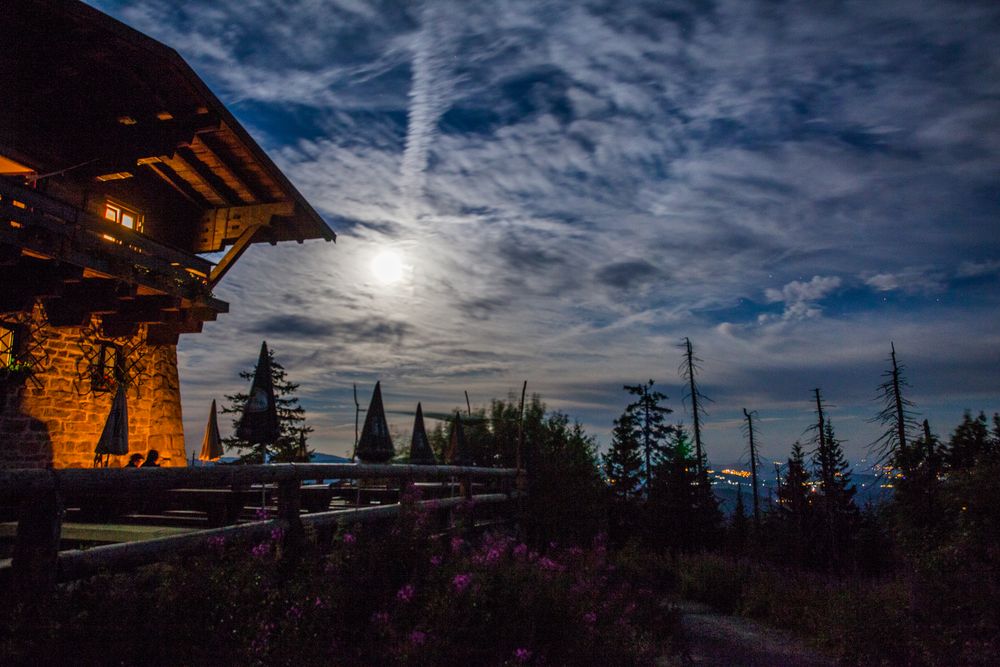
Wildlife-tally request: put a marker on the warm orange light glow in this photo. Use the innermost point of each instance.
(6, 346)
(115, 176)
(9, 167)
(738, 473)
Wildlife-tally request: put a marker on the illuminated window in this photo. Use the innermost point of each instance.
(123, 215)
(6, 345)
(108, 367)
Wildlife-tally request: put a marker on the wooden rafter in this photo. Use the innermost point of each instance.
(177, 183)
(219, 185)
(234, 253)
(191, 175)
(222, 226)
(207, 148)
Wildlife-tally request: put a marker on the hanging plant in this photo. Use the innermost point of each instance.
(16, 373)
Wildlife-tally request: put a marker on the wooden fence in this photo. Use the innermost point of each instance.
(38, 564)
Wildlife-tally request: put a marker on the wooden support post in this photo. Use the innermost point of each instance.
(36, 551)
(289, 504)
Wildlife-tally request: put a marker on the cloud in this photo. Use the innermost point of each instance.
(800, 298)
(575, 186)
(976, 269)
(909, 281)
(626, 275)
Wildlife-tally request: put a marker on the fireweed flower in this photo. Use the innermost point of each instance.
(590, 617)
(456, 544)
(418, 638)
(405, 594)
(521, 550)
(522, 654)
(277, 534)
(380, 617)
(349, 538)
(461, 582)
(436, 560)
(261, 550)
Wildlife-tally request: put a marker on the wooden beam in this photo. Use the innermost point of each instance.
(208, 175)
(186, 171)
(235, 252)
(207, 144)
(222, 226)
(177, 183)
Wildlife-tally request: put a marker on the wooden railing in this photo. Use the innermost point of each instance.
(54, 228)
(38, 564)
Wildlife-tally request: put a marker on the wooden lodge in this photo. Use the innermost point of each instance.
(118, 168)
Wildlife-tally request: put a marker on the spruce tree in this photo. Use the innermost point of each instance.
(794, 510)
(623, 462)
(682, 513)
(291, 418)
(649, 419)
(837, 511)
(969, 442)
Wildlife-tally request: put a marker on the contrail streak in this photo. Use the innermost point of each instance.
(430, 91)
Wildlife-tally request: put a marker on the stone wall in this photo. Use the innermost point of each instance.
(55, 418)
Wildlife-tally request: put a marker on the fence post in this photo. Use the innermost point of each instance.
(36, 552)
(289, 503)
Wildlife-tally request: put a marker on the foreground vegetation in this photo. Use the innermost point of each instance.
(380, 597)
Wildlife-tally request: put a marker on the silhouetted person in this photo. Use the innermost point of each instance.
(134, 461)
(151, 459)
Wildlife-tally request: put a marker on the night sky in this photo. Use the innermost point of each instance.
(561, 191)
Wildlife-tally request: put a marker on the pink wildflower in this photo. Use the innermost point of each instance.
(461, 582)
(349, 538)
(418, 638)
(522, 654)
(521, 550)
(261, 550)
(456, 544)
(550, 565)
(436, 560)
(380, 617)
(405, 594)
(590, 618)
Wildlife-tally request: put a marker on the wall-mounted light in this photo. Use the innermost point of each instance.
(116, 176)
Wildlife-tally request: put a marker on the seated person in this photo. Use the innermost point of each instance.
(151, 459)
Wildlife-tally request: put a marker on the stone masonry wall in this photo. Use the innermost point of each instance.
(57, 422)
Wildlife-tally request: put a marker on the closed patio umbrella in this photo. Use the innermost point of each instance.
(259, 422)
(114, 437)
(420, 448)
(375, 444)
(211, 445)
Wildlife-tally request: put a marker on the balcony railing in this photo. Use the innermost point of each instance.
(50, 228)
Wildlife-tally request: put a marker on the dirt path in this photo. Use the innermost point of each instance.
(719, 639)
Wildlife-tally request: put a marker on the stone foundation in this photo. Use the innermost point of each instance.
(55, 418)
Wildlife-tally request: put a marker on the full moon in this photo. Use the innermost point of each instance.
(387, 267)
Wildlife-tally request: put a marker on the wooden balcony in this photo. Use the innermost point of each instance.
(81, 265)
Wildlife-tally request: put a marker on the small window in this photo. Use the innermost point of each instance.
(108, 368)
(7, 350)
(123, 215)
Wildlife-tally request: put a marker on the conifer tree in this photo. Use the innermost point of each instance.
(648, 417)
(794, 509)
(291, 418)
(682, 513)
(623, 462)
(838, 513)
(739, 522)
(969, 442)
